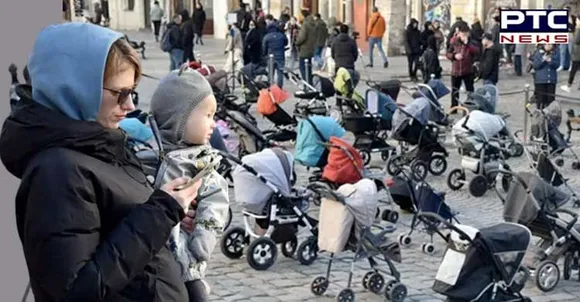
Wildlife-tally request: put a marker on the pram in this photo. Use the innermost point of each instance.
(416, 124)
(284, 125)
(476, 136)
(534, 203)
(417, 196)
(485, 99)
(347, 224)
(250, 85)
(262, 184)
(482, 265)
(546, 136)
(311, 98)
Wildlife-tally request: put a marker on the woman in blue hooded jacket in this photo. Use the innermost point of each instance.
(546, 61)
(91, 227)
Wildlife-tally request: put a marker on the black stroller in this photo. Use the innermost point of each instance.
(250, 84)
(482, 265)
(415, 195)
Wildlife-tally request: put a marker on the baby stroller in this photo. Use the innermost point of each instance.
(485, 99)
(534, 203)
(370, 128)
(268, 104)
(545, 134)
(250, 85)
(311, 98)
(412, 125)
(482, 265)
(417, 196)
(480, 150)
(263, 185)
(347, 224)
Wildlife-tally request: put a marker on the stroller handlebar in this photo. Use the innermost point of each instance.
(572, 214)
(432, 216)
(510, 173)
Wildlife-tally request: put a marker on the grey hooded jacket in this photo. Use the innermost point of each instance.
(193, 250)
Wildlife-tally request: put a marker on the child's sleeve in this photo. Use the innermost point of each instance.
(210, 220)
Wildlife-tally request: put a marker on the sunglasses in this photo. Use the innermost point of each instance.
(123, 94)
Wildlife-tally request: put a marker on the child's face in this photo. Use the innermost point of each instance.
(200, 123)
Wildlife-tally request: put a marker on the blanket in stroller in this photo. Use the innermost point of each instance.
(481, 127)
(270, 98)
(275, 166)
(337, 218)
(345, 164)
(521, 207)
(312, 134)
(484, 98)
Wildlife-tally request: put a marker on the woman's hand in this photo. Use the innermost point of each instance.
(188, 223)
(185, 196)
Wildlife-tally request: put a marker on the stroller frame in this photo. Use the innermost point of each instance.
(561, 233)
(235, 239)
(482, 182)
(366, 247)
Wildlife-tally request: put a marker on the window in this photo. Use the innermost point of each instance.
(129, 4)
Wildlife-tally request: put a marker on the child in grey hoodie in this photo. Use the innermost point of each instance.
(183, 106)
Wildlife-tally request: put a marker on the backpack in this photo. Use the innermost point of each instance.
(165, 43)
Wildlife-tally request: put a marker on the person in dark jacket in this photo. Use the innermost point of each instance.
(284, 16)
(546, 62)
(431, 65)
(575, 61)
(425, 34)
(413, 47)
(344, 51)
(274, 44)
(459, 23)
(253, 45)
(199, 19)
(462, 53)
(91, 226)
(321, 37)
(187, 30)
(306, 43)
(477, 32)
(175, 33)
(489, 64)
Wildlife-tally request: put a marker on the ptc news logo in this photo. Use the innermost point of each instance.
(531, 26)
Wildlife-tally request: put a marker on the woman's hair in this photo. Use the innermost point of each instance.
(121, 55)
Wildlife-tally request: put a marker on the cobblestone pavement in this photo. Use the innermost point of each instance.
(287, 280)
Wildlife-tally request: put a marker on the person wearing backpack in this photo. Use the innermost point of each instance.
(172, 42)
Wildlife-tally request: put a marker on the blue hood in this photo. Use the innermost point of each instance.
(67, 67)
(437, 86)
(273, 27)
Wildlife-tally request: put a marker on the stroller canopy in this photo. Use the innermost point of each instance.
(523, 208)
(485, 98)
(425, 106)
(309, 143)
(434, 91)
(377, 102)
(254, 193)
(483, 126)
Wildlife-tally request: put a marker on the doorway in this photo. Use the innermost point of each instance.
(147, 8)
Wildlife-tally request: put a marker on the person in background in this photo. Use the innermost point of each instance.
(566, 49)
(375, 31)
(253, 45)
(344, 52)
(425, 34)
(489, 65)
(575, 61)
(462, 54)
(156, 16)
(477, 32)
(269, 19)
(321, 38)
(274, 44)
(199, 19)
(519, 52)
(454, 28)
(234, 50)
(90, 225)
(188, 35)
(431, 66)
(176, 40)
(306, 42)
(284, 16)
(293, 28)
(546, 62)
(413, 47)
(438, 34)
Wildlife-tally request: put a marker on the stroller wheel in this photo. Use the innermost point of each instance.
(366, 278)
(385, 155)
(456, 179)
(376, 283)
(262, 253)
(576, 165)
(390, 216)
(319, 286)
(478, 186)
(405, 240)
(366, 156)
(559, 162)
(567, 266)
(394, 163)
(232, 243)
(428, 248)
(396, 292)
(547, 275)
(516, 149)
(420, 170)
(289, 247)
(307, 251)
(437, 165)
(345, 295)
